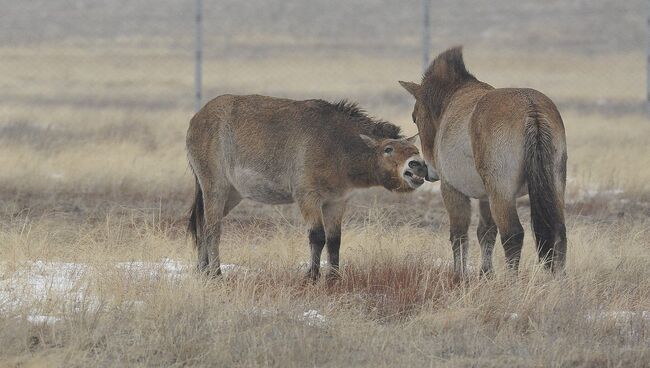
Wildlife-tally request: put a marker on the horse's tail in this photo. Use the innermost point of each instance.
(546, 204)
(195, 223)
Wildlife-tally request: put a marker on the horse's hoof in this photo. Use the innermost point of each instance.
(487, 272)
(312, 275)
(214, 273)
(333, 277)
(209, 272)
(559, 273)
(460, 276)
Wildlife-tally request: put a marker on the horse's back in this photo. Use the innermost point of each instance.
(508, 107)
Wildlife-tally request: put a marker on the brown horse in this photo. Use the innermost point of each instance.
(493, 145)
(279, 151)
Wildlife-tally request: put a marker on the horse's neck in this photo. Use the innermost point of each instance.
(452, 145)
(361, 168)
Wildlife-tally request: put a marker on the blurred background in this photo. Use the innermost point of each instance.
(96, 95)
(139, 54)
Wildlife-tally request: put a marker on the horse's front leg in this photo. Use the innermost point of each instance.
(332, 218)
(311, 212)
(460, 211)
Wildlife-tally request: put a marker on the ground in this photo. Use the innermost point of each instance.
(96, 268)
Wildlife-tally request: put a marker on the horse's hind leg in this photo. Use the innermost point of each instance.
(460, 211)
(487, 234)
(559, 251)
(504, 213)
(219, 198)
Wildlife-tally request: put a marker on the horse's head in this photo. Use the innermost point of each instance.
(426, 129)
(398, 164)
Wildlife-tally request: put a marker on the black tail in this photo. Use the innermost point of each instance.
(547, 214)
(195, 223)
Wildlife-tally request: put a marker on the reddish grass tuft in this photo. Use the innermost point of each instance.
(395, 289)
(385, 289)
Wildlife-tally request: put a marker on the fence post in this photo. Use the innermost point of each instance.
(198, 55)
(647, 59)
(426, 33)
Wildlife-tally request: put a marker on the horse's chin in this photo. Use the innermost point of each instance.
(401, 184)
(405, 187)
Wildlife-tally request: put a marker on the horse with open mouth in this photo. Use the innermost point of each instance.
(279, 151)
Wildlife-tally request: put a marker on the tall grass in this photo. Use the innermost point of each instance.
(395, 304)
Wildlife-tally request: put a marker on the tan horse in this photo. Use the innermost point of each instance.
(279, 151)
(493, 145)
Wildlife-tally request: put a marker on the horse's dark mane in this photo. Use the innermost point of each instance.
(350, 108)
(446, 74)
(369, 125)
(453, 68)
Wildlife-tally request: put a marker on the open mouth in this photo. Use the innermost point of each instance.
(413, 180)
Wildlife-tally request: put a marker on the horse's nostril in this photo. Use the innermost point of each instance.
(414, 164)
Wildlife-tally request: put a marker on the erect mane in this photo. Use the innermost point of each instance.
(449, 65)
(368, 125)
(446, 74)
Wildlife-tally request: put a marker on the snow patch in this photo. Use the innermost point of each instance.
(511, 316)
(166, 266)
(232, 268)
(67, 284)
(617, 316)
(305, 265)
(313, 318)
(42, 319)
(38, 281)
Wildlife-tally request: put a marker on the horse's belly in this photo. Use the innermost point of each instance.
(459, 172)
(261, 188)
(467, 182)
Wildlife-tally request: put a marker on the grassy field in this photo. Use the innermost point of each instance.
(96, 268)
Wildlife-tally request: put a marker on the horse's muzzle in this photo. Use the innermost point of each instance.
(432, 174)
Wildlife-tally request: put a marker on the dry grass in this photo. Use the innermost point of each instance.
(94, 173)
(396, 303)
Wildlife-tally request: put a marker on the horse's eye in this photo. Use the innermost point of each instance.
(388, 150)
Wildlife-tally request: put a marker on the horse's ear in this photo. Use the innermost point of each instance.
(413, 139)
(412, 88)
(369, 141)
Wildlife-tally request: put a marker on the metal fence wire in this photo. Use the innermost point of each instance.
(136, 56)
